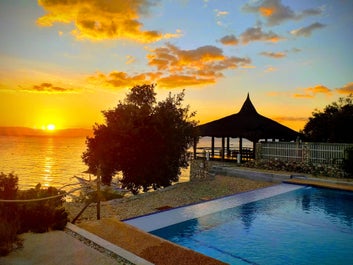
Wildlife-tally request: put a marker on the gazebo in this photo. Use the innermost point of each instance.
(247, 123)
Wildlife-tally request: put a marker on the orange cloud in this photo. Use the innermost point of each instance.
(270, 69)
(117, 79)
(289, 118)
(178, 68)
(229, 40)
(346, 89)
(206, 61)
(101, 20)
(47, 88)
(256, 34)
(275, 12)
(311, 92)
(266, 12)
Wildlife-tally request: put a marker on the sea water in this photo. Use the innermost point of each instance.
(50, 161)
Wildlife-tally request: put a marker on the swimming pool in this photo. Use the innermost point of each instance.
(302, 226)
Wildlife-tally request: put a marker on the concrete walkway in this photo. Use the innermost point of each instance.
(55, 248)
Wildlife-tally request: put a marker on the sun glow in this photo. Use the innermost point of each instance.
(49, 127)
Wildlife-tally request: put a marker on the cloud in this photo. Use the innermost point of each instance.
(118, 79)
(177, 68)
(47, 88)
(346, 89)
(256, 34)
(289, 118)
(270, 69)
(102, 20)
(130, 59)
(306, 31)
(229, 40)
(220, 13)
(275, 55)
(311, 92)
(274, 12)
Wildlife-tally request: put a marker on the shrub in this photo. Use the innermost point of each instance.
(9, 224)
(42, 216)
(348, 162)
(37, 216)
(333, 171)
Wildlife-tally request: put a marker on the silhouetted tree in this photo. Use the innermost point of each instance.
(145, 140)
(334, 124)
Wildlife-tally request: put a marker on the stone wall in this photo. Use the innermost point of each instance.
(200, 169)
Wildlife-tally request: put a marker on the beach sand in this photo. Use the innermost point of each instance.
(174, 196)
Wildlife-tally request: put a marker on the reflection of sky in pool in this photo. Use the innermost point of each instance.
(304, 226)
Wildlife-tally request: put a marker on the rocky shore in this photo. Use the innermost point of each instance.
(174, 196)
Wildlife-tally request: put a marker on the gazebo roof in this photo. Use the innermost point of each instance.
(249, 124)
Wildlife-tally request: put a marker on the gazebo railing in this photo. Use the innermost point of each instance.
(229, 154)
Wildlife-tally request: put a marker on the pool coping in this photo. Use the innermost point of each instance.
(115, 249)
(155, 221)
(321, 183)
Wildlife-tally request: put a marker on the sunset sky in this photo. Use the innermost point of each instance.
(63, 62)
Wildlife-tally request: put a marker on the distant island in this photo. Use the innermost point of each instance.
(24, 131)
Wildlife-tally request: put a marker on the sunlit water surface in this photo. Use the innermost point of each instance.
(50, 161)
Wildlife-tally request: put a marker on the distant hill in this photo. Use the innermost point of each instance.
(24, 131)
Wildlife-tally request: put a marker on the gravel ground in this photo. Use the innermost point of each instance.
(173, 196)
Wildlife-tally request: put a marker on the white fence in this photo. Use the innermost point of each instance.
(330, 153)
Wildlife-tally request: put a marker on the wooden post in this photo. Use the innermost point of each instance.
(222, 150)
(99, 195)
(228, 147)
(240, 148)
(212, 146)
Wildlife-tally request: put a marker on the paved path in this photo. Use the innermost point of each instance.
(55, 248)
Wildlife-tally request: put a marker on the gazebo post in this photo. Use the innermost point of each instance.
(240, 149)
(228, 148)
(222, 151)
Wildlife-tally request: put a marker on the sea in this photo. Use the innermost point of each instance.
(54, 161)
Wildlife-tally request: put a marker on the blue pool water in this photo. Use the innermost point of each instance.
(305, 226)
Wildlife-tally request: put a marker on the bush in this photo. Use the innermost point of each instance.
(9, 224)
(348, 162)
(37, 216)
(42, 216)
(333, 171)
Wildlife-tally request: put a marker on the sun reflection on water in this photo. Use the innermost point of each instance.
(48, 164)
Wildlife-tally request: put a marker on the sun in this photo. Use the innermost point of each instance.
(50, 127)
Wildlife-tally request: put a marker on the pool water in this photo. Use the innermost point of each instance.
(304, 226)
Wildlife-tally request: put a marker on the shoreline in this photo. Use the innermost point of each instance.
(178, 195)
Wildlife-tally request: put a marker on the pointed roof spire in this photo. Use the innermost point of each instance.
(248, 107)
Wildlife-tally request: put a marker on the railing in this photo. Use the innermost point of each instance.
(229, 154)
(331, 153)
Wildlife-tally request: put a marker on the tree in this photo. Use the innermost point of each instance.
(334, 124)
(145, 140)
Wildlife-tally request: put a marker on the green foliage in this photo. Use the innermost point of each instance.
(334, 124)
(326, 170)
(44, 215)
(348, 162)
(36, 216)
(9, 221)
(8, 186)
(145, 140)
